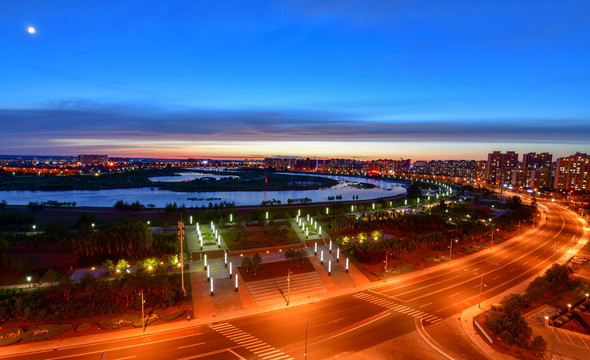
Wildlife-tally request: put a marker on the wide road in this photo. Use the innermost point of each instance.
(350, 323)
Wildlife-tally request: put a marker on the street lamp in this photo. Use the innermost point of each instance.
(305, 351)
(481, 285)
(569, 307)
(142, 310)
(34, 227)
(29, 280)
(587, 297)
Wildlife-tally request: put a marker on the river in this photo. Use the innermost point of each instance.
(159, 198)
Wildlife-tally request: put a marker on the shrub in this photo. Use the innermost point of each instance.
(120, 321)
(45, 332)
(11, 336)
(403, 268)
(539, 344)
(168, 317)
(83, 326)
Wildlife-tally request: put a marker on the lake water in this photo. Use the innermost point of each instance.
(188, 176)
(108, 198)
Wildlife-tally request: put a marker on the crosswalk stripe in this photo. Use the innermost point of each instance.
(271, 356)
(241, 337)
(266, 352)
(217, 326)
(248, 342)
(277, 356)
(397, 307)
(258, 346)
(230, 332)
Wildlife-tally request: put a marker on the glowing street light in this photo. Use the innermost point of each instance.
(225, 258)
(208, 274)
(211, 286)
(337, 254)
(315, 248)
(327, 211)
(346, 264)
(205, 261)
(236, 282)
(330, 267)
(230, 270)
(191, 219)
(322, 257)
(330, 246)
(29, 278)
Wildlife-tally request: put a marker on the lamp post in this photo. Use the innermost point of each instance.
(481, 285)
(181, 238)
(29, 280)
(288, 286)
(305, 350)
(142, 311)
(386, 259)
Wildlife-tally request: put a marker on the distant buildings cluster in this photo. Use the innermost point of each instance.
(536, 171)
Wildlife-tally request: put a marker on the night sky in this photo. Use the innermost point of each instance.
(234, 79)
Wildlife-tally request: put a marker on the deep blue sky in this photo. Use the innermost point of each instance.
(372, 79)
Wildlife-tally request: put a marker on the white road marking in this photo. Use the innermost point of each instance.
(186, 346)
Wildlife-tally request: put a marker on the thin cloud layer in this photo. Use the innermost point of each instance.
(118, 122)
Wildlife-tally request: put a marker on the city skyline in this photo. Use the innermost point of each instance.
(334, 79)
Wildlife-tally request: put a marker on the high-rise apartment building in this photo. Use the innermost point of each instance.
(572, 173)
(536, 161)
(500, 167)
(541, 178)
